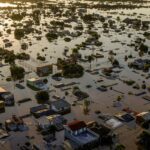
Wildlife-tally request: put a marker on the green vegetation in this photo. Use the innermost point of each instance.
(136, 86)
(129, 82)
(19, 33)
(135, 1)
(73, 71)
(42, 58)
(8, 79)
(144, 140)
(143, 48)
(147, 35)
(90, 59)
(17, 17)
(89, 18)
(67, 39)
(146, 67)
(143, 86)
(57, 23)
(42, 96)
(36, 16)
(8, 31)
(86, 104)
(51, 36)
(145, 124)
(17, 72)
(115, 62)
(70, 69)
(22, 56)
(10, 57)
(120, 147)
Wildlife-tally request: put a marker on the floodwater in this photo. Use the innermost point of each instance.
(56, 48)
(102, 101)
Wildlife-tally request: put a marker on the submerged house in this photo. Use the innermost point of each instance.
(141, 63)
(41, 110)
(7, 97)
(44, 70)
(80, 137)
(106, 134)
(36, 83)
(142, 117)
(15, 124)
(61, 107)
(52, 120)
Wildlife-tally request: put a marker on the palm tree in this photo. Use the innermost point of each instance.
(119, 98)
(90, 59)
(86, 106)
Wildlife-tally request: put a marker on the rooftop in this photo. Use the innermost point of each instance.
(34, 79)
(60, 103)
(76, 125)
(86, 137)
(2, 90)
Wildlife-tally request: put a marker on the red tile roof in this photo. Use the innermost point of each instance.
(76, 125)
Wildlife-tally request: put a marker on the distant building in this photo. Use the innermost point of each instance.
(142, 117)
(80, 137)
(61, 106)
(44, 70)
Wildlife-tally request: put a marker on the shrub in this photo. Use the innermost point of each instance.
(19, 33)
(42, 96)
(73, 71)
(17, 72)
(51, 36)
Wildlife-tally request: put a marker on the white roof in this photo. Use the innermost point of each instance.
(33, 79)
(145, 115)
(114, 123)
(2, 90)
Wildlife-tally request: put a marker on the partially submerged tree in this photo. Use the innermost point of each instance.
(42, 96)
(19, 33)
(17, 72)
